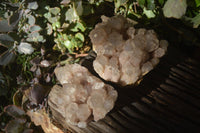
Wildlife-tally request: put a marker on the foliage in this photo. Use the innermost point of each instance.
(36, 36)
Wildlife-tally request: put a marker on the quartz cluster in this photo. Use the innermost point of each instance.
(124, 54)
(81, 97)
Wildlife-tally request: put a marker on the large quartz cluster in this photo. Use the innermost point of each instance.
(81, 96)
(124, 54)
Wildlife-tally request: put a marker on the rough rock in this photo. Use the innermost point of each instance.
(124, 54)
(81, 97)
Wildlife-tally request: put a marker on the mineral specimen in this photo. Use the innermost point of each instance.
(124, 54)
(81, 96)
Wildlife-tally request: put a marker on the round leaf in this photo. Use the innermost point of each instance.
(175, 8)
(15, 126)
(31, 20)
(25, 48)
(35, 28)
(71, 15)
(33, 5)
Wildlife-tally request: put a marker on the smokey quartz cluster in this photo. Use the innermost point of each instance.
(81, 97)
(124, 54)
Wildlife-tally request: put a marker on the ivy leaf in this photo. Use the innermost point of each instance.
(33, 5)
(175, 8)
(6, 40)
(7, 57)
(5, 27)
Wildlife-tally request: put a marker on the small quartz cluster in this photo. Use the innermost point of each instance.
(124, 54)
(81, 97)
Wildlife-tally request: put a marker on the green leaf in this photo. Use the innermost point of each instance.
(197, 3)
(79, 26)
(149, 13)
(119, 3)
(6, 58)
(6, 40)
(141, 2)
(161, 2)
(33, 5)
(71, 15)
(14, 111)
(49, 29)
(54, 10)
(5, 27)
(79, 7)
(35, 28)
(151, 4)
(196, 21)
(175, 8)
(25, 48)
(80, 36)
(31, 20)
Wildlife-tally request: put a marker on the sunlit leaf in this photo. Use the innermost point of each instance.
(149, 13)
(175, 8)
(49, 29)
(33, 5)
(78, 27)
(31, 20)
(71, 15)
(119, 3)
(54, 10)
(35, 28)
(7, 57)
(25, 48)
(80, 36)
(6, 40)
(14, 111)
(4, 27)
(65, 2)
(15, 126)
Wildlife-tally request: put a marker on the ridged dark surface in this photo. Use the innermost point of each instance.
(167, 100)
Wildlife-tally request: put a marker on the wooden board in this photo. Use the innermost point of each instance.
(167, 100)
